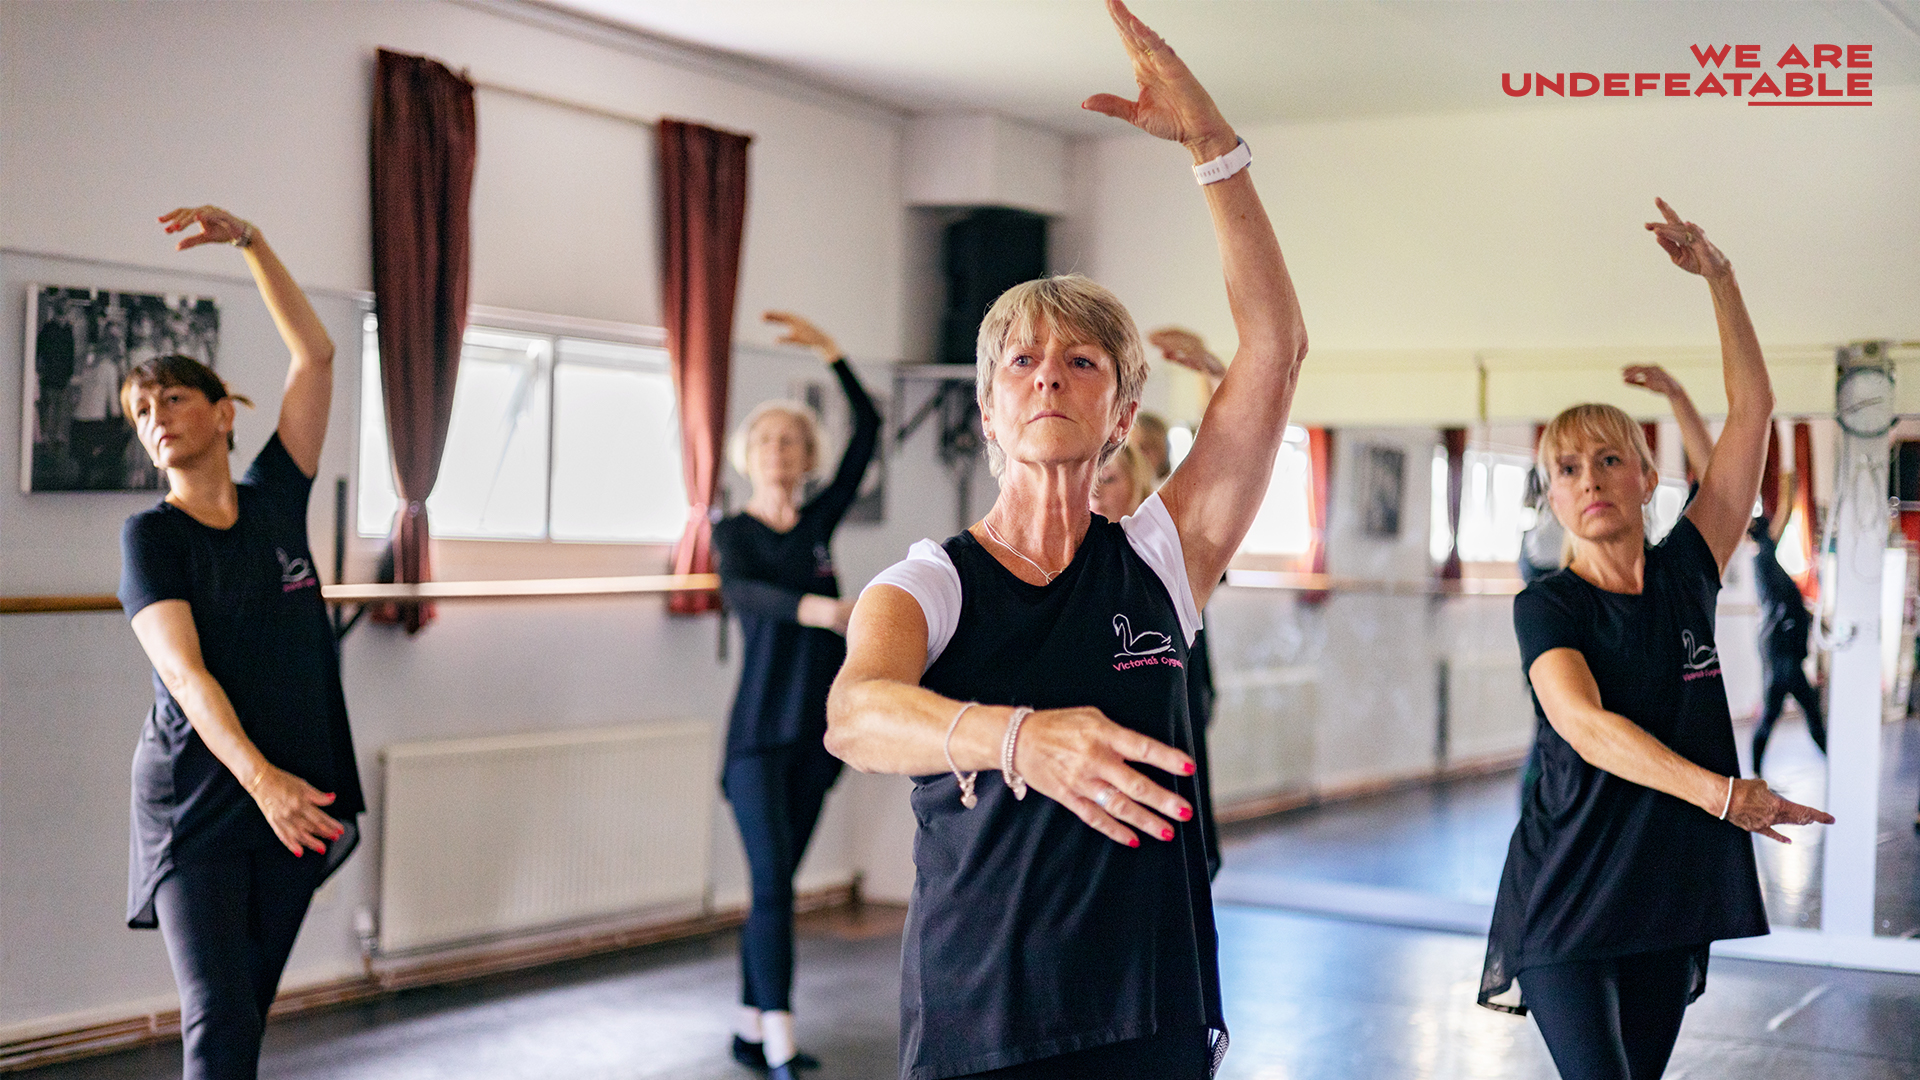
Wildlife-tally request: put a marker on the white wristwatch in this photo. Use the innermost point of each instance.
(1224, 166)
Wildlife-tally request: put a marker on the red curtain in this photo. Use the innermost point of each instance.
(1770, 475)
(1803, 503)
(703, 182)
(1455, 441)
(1319, 504)
(1652, 432)
(423, 152)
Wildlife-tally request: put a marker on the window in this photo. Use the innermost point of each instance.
(1283, 525)
(552, 438)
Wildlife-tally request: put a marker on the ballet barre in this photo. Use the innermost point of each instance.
(435, 591)
(1293, 581)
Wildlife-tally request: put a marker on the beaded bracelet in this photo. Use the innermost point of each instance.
(1007, 772)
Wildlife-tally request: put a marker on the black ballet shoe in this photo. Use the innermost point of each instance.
(754, 1056)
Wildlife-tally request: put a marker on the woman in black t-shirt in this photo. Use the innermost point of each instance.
(245, 788)
(1632, 855)
(776, 573)
(1044, 938)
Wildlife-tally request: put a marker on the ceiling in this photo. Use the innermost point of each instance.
(1264, 60)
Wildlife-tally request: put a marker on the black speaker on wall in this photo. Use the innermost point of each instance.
(986, 253)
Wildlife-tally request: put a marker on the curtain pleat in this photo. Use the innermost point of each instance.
(424, 145)
(703, 183)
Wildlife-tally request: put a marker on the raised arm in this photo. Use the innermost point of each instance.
(1731, 480)
(291, 805)
(1612, 743)
(1217, 490)
(1694, 437)
(1184, 348)
(309, 391)
(879, 719)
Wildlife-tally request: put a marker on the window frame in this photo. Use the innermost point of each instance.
(488, 558)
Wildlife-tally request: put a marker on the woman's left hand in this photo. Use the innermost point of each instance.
(1172, 104)
(1754, 807)
(1184, 347)
(1687, 245)
(216, 226)
(1651, 377)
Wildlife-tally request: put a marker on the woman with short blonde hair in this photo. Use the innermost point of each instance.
(1071, 934)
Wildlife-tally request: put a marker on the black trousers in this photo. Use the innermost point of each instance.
(229, 921)
(776, 796)
(1179, 1055)
(1613, 1019)
(1785, 676)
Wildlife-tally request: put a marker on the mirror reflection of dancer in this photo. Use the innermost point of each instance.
(777, 575)
(1631, 855)
(1048, 937)
(1785, 626)
(245, 764)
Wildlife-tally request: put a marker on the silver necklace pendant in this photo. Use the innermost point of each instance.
(1045, 575)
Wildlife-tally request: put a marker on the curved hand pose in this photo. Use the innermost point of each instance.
(776, 573)
(1081, 857)
(1638, 807)
(245, 784)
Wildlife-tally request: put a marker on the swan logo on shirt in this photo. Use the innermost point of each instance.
(1141, 648)
(295, 572)
(1701, 660)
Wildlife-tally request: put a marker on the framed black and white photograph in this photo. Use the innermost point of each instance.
(1383, 490)
(81, 343)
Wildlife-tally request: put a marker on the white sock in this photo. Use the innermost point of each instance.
(747, 1024)
(778, 1026)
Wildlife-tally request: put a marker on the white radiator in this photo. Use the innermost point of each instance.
(488, 837)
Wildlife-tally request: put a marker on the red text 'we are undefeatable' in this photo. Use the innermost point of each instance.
(1836, 75)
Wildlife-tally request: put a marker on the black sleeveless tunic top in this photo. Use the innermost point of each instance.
(1031, 935)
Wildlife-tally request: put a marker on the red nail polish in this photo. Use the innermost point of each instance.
(1188, 768)
(1186, 814)
(1134, 842)
(1166, 834)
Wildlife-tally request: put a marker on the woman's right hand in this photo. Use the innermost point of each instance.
(216, 226)
(1172, 104)
(801, 332)
(293, 808)
(1079, 759)
(1184, 347)
(1755, 808)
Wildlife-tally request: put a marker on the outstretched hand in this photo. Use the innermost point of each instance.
(1652, 377)
(1079, 759)
(216, 226)
(1172, 104)
(292, 808)
(1757, 809)
(801, 332)
(1184, 347)
(1687, 245)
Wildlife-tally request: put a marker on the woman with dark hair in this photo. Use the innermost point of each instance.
(1071, 935)
(776, 573)
(1632, 853)
(245, 787)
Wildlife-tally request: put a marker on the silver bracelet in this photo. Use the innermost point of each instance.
(1729, 806)
(967, 797)
(245, 239)
(1007, 772)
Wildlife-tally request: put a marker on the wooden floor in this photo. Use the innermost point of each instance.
(1309, 997)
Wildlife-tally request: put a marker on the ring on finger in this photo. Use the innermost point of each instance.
(1108, 793)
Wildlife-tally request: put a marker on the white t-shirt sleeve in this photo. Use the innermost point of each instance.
(927, 575)
(1151, 534)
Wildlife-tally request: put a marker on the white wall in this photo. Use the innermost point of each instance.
(1520, 228)
(115, 113)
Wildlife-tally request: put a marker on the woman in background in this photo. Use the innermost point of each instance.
(245, 787)
(1632, 856)
(777, 575)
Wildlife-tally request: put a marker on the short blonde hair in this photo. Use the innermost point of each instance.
(810, 424)
(1592, 422)
(1069, 305)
